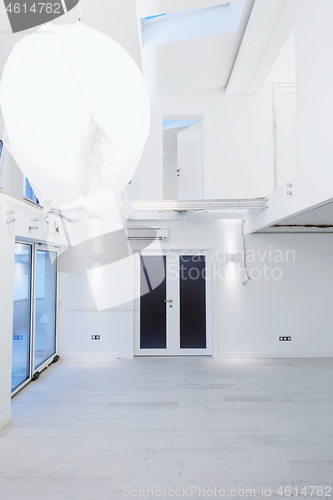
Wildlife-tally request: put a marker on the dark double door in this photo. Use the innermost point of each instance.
(174, 305)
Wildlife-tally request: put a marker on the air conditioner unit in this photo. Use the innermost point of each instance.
(136, 233)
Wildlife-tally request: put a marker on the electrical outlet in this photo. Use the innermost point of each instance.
(285, 339)
(96, 337)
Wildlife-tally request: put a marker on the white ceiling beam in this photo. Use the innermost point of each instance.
(160, 205)
(269, 26)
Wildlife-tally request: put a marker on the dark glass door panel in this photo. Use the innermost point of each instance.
(22, 314)
(152, 302)
(192, 284)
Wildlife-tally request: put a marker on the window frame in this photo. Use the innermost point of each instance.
(32, 370)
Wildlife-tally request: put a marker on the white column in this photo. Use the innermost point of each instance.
(7, 258)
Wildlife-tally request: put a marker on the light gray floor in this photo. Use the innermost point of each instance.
(86, 430)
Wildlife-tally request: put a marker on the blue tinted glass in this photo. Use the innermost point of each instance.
(46, 298)
(29, 192)
(153, 17)
(21, 325)
(170, 124)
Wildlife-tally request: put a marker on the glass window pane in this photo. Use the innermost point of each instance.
(28, 192)
(46, 299)
(21, 324)
(192, 276)
(152, 304)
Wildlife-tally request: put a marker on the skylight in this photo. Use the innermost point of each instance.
(170, 124)
(149, 18)
(191, 24)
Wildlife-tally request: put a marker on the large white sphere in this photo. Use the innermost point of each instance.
(76, 110)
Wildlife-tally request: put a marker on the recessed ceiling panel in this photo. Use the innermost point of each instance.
(195, 64)
(191, 24)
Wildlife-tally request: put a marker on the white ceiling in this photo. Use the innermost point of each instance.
(155, 7)
(311, 221)
(172, 69)
(193, 65)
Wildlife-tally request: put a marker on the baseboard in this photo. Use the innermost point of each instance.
(88, 356)
(278, 355)
(6, 418)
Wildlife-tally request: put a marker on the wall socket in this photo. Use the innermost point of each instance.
(96, 337)
(285, 339)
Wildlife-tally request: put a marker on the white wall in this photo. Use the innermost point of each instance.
(11, 177)
(79, 320)
(238, 154)
(297, 305)
(313, 140)
(248, 320)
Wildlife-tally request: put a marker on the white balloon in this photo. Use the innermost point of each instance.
(77, 113)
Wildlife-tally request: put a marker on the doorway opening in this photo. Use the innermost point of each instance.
(182, 159)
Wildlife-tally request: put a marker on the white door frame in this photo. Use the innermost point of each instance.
(173, 314)
(40, 368)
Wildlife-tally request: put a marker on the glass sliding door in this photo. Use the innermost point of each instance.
(22, 315)
(35, 311)
(45, 307)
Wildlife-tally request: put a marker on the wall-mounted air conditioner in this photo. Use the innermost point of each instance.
(145, 233)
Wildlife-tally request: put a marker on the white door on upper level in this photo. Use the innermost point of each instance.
(189, 163)
(284, 110)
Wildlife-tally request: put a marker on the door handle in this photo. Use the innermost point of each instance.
(168, 301)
